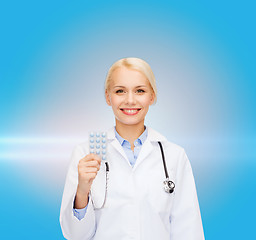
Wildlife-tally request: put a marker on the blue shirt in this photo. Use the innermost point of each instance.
(131, 155)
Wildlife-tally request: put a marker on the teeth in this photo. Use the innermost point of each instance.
(130, 110)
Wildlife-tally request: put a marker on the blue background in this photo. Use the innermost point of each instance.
(54, 58)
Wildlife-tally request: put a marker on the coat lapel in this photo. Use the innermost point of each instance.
(146, 149)
(119, 148)
(115, 144)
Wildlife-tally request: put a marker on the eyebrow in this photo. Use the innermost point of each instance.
(135, 87)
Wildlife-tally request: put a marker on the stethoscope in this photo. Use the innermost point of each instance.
(168, 184)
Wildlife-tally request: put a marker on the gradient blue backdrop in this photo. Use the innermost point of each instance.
(54, 59)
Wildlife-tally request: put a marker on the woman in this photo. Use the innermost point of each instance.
(131, 203)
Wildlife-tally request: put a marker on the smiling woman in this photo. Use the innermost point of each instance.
(130, 95)
(137, 209)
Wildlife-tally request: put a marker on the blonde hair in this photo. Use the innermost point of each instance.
(134, 64)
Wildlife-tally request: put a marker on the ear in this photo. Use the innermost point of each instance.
(153, 95)
(107, 97)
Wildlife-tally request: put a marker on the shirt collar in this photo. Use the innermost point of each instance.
(141, 139)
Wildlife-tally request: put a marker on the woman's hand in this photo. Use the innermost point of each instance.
(88, 168)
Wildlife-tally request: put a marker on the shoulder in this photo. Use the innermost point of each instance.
(80, 151)
(81, 147)
(175, 155)
(155, 137)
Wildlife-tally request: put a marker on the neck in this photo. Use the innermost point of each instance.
(130, 132)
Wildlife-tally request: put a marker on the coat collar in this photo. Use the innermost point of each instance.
(153, 136)
(147, 147)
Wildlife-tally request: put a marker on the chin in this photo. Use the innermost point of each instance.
(130, 123)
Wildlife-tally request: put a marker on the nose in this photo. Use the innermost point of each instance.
(130, 98)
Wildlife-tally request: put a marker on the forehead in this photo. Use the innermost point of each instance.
(123, 76)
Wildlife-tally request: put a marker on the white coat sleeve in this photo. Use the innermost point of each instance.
(71, 227)
(186, 223)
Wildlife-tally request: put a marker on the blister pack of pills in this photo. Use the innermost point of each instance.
(98, 144)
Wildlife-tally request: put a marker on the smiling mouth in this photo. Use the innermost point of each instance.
(130, 111)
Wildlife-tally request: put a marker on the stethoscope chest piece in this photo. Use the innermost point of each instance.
(169, 186)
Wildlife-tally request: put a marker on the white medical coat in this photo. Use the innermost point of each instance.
(136, 207)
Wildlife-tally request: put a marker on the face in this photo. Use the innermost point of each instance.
(130, 95)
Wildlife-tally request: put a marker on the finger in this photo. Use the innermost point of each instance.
(91, 157)
(86, 165)
(91, 170)
(86, 171)
(93, 163)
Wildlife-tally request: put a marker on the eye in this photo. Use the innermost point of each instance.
(140, 91)
(119, 91)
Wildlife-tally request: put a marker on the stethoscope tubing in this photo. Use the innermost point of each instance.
(168, 185)
(164, 163)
